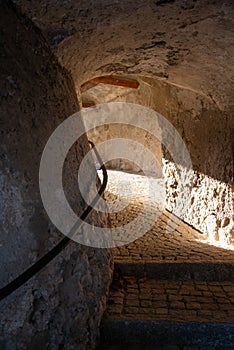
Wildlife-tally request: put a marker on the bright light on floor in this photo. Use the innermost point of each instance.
(133, 187)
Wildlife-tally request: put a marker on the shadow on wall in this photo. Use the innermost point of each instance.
(202, 197)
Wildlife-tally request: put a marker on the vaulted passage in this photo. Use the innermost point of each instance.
(150, 84)
(199, 192)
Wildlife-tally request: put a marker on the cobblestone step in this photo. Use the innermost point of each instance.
(153, 311)
(172, 289)
(197, 301)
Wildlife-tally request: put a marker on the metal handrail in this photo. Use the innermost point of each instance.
(48, 257)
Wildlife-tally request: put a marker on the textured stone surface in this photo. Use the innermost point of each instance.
(169, 287)
(132, 298)
(184, 41)
(202, 197)
(62, 305)
(146, 332)
(183, 50)
(169, 240)
(108, 132)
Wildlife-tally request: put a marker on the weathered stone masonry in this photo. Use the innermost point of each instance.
(61, 306)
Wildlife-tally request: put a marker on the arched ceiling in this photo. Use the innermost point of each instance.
(184, 42)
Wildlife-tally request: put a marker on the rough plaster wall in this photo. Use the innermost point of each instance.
(62, 305)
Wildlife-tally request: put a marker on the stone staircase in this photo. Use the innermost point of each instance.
(152, 312)
(177, 305)
(172, 290)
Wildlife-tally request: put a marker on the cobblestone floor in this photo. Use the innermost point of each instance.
(198, 301)
(169, 239)
(190, 300)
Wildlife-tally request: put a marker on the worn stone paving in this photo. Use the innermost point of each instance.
(198, 301)
(188, 300)
(169, 239)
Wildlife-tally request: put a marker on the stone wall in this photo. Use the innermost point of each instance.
(205, 201)
(61, 307)
(125, 131)
(202, 197)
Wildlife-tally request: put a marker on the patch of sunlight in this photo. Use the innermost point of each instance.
(133, 186)
(215, 243)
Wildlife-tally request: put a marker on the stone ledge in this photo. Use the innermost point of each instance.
(218, 271)
(155, 332)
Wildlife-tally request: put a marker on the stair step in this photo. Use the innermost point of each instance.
(173, 288)
(149, 332)
(186, 312)
(178, 271)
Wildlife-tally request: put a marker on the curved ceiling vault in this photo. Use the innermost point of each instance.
(185, 42)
